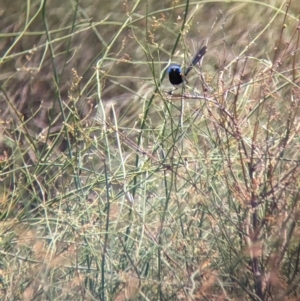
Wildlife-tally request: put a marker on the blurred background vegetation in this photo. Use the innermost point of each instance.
(113, 189)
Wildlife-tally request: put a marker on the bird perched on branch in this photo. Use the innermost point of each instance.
(177, 76)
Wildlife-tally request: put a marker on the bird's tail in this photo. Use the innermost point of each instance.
(198, 56)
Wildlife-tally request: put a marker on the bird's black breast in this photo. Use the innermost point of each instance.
(175, 75)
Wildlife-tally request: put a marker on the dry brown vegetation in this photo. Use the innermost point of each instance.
(113, 189)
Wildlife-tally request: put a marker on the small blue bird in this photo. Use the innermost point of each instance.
(176, 76)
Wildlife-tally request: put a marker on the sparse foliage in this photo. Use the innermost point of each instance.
(113, 189)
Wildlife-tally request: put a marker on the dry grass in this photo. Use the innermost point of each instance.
(113, 189)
